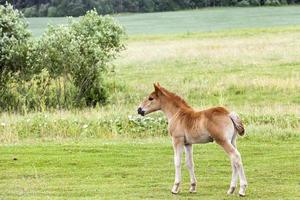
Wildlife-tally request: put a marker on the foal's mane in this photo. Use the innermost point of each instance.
(180, 102)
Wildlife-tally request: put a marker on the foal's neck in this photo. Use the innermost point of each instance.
(171, 110)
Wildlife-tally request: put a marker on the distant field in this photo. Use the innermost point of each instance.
(210, 19)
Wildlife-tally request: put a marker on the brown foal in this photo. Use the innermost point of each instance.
(188, 126)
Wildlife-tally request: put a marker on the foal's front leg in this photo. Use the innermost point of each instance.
(178, 147)
(190, 165)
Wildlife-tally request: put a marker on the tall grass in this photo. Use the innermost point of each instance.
(254, 74)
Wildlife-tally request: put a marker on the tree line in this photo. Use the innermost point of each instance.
(61, 8)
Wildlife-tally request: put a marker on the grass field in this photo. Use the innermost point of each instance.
(143, 170)
(111, 153)
(209, 19)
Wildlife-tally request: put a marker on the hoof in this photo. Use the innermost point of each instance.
(242, 195)
(231, 190)
(175, 189)
(193, 188)
(242, 191)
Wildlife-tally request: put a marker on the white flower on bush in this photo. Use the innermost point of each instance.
(139, 120)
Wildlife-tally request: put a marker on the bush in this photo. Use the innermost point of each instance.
(243, 3)
(40, 93)
(80, 53)
(64, 68)
(14, 42)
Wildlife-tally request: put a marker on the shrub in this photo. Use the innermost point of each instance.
(14, 42)
(64, 68)
(80, 52)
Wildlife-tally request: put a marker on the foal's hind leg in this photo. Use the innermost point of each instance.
(234, 176)
(236, 160)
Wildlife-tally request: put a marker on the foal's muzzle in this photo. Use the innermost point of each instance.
(140, 111)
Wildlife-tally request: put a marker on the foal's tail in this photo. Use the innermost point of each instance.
(237, 122)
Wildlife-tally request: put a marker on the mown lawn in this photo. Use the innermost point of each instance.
(143, 169)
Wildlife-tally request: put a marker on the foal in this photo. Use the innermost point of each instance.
(188, 126)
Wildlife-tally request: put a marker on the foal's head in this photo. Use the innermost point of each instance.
(152, 103)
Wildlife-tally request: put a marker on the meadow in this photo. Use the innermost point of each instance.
(250, 65)
(207, 19)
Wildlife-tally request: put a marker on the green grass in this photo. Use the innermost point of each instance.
(143, 169)
(110, 153)
(210, 19)
(254, 72)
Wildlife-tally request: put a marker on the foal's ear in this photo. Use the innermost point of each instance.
(157, 88)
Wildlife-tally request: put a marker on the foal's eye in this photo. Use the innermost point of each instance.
(150, 99)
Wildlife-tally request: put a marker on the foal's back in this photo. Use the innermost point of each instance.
(213, 123)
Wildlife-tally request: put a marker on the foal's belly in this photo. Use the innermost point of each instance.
(202, 137)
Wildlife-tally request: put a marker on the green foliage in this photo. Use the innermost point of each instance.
(97, 124)
(52, 11)
(31, 11)
(272, 3)
(40, 93)
(254, 2)
(243, 3)
(80, 53)
(43, 10)
(14, 42)
(63, 69)
(234, 2)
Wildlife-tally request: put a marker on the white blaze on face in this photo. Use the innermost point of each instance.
(145, 108)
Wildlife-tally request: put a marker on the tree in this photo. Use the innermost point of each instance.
(52, 11)
(80, 53)
(14, 40)
(43, 10)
